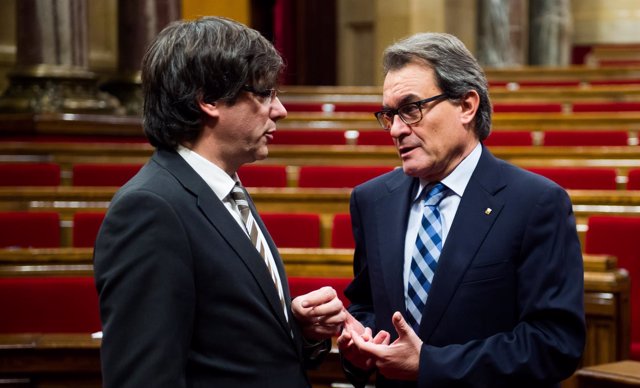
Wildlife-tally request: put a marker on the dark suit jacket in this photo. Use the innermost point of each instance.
(185, 298)
(506, 304)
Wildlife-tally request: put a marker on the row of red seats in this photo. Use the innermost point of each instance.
(77, 310)
(257, 175)
(498, 107)
(23, 229)
(64, 304)
(300, 136)
(571, 138)
(116, 174)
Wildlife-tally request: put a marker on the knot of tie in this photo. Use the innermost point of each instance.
(240, 198)
(435, 195)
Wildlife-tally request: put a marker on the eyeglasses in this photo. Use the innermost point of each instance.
(409, 113)
(264, 95)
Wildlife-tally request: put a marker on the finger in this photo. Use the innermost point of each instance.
(318, 297)
(401, 326)
(328, 309)
(352, 323)
(366, 347)
(383, 338)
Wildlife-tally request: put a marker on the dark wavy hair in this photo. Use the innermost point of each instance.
(209, 59)
(456, 70)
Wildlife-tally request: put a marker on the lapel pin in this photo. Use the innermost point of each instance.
(488, 211)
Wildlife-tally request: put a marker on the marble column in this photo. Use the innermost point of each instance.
(550, 32)
(51, 72)
(139, 21)
(502, 30)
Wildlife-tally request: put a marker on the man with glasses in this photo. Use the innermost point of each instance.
(468, 270)
(192, 290)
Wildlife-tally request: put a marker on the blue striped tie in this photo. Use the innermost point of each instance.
(424, 259)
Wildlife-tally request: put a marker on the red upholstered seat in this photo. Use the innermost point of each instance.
(580, 178)
(619, 106)
(538, 107)
(309, 137)
(380, 137)
(341, 232)
(29, 174)
(618, 236)
(586, 138)
(103, 174)
(338, 176)
(293, 230)
(49, 305)
(633, 176)
(361, 107)
(257, 175)
(29, 229)
(303, 285)
(85, 228)
(509, 138)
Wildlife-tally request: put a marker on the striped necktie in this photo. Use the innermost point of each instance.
(426, 253)
(240, 198)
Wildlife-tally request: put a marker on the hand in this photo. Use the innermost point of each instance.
(399, 360)
(320, 313)
(347, 347)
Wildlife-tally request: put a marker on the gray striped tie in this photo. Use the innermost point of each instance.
(240, 198)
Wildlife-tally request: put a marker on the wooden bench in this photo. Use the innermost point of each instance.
(620, 374)
(73, 359)
(326, 202)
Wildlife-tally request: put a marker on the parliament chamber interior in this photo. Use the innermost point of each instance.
(71, 135)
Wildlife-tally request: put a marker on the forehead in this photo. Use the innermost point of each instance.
(411, 81)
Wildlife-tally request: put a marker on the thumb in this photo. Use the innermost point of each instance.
(402, 327)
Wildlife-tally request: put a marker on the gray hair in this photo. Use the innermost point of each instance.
(456, 70)
(209, 59)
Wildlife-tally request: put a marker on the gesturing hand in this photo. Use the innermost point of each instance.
(399, 360)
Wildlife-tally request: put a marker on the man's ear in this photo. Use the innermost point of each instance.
(469, 105)
(209, 108)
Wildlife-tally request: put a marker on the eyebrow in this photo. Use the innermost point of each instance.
(409, 98)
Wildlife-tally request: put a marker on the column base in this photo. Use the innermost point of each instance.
(127, 87)
(55, 89)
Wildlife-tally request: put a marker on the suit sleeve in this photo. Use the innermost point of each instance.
(546, 344)
(145, 283)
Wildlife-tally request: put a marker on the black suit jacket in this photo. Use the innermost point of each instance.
(506, 304)
(185, 298)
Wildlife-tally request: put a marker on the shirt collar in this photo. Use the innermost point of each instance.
(215, 177)
(459, 178)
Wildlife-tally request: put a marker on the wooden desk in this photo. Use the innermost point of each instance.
(615, 375)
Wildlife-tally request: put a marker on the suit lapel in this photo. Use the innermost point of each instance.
(218, 215)
(392, 212)
(468, 230)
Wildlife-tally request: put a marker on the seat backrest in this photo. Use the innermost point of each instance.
(338, 176)
(375, 137)
(49, 305)
(293, 230)
(103, 174)
(29, 174)
(585, 138)
(509, 138)
(258, 175)
(580, 178)
(529, 107)
(23, 229)
(309, 137)
(606, 106)
(85, 228)
(633, 182)
(618, 236)
(341, 232)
